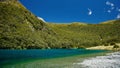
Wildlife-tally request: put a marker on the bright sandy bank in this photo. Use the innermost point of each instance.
(102, 47)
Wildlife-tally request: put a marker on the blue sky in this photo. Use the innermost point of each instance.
(67, 11)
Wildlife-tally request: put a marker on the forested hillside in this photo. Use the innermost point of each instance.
(87, 35)
(20, 29)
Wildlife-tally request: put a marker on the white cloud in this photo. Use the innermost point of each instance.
(41, 19)
(109, 3)
(112, 8)
(89, 11)
(118, 16)
(109, 11)
(118, 9)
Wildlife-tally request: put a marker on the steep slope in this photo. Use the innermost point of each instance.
(12, 11)
(19, 28)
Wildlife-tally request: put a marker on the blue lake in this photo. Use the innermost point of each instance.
(6, 56)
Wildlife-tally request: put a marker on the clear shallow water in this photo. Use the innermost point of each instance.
(109, 61)
(8, 56)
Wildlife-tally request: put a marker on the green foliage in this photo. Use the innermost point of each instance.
(106, 44)
(116, 46)
(87, 35)
(112, 43)
(20, 29)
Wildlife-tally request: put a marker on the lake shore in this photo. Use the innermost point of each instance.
(111, 60)
(102, 47)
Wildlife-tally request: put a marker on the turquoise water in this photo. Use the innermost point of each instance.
(8, 56)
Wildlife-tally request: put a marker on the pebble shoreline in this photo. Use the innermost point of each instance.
(111, 60)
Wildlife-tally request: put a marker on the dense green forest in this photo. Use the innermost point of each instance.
(20, 29)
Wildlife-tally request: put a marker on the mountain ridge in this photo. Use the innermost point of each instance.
(21, 29)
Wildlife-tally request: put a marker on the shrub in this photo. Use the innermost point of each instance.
(112, 43)
(115, 46)
(106, 44)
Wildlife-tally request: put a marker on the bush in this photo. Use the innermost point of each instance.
(112, 43)
(106, 44)
(115, 46)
